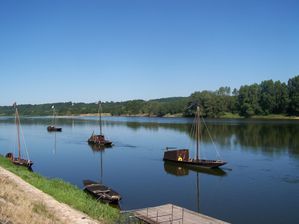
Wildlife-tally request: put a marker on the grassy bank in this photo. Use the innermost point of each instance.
(231, 116)
(223, 116)
(275, 117)
(263, 117)
(65, 193)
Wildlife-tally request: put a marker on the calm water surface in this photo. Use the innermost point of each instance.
(260, 183)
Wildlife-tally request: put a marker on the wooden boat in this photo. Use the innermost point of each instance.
(19, 161)
(98, 189)
(99, 139)
(181, 156)
(101, 192)
(183, 169)
(52, 127)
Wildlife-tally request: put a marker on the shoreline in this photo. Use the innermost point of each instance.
(40, 207)
(54, 197)
(180, 115)
(256, 117)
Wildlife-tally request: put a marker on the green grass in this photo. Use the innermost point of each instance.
(230, 116)
(274, 117)
(65, 192)
(266, 117)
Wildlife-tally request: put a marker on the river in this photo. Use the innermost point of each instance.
(260, 183)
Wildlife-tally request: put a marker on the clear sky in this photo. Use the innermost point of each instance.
(86, 50)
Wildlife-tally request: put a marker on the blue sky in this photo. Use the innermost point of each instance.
(83, 51)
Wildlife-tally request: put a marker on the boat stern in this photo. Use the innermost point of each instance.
(176, 155)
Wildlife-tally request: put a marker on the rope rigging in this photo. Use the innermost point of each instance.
(197, 133)
(20, 131)
(217, 152)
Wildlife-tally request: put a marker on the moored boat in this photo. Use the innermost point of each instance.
(53, 127)
(101, 192)
(19, 160)
(181, 156)
(99, 139)
(183, 169)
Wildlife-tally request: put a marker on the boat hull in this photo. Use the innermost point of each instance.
(99, 140)
(53, 128)
(202, 163)
(20, 162)
(183, 169)
(181, 156)
(101, 192)
(23, 162)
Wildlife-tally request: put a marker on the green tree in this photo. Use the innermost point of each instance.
(281, 98)
(248, 100)
(267, 97)
(293, 87)
(207, 100)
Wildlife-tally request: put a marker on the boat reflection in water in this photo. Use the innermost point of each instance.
(183, 169)
(99, 148)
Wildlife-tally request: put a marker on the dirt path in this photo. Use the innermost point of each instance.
(20, 202)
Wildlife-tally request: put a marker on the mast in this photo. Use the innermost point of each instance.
(101, 166)
(197, 119)
(54, 116)
(18, 130)
(100, 116)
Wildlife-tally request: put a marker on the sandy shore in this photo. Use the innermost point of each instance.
(20, 202)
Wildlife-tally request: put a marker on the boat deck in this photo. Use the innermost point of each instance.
(101, 191)
(173, 214)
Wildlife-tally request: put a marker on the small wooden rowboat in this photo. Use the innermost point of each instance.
(53, 128)
(101, 192)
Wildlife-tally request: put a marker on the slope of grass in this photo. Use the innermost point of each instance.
(64, 192)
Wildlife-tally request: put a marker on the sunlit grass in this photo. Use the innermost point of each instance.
(230, 116)
(266, 117)
(65, 192)
(274, 117)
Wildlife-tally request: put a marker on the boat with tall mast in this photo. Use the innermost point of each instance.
(53, 127)
(181, 156)
(99, 139)
(19, 160)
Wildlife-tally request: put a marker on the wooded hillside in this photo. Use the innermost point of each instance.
(268, 97)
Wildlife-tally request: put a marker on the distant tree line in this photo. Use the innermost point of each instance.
(266, 98)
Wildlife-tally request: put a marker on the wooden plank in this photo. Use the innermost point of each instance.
(172, 214)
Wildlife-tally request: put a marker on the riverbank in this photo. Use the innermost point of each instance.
(180, 115)
(46, 200)
(261, 117)
(129, 115)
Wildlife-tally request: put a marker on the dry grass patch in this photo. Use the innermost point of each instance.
(16, 207)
